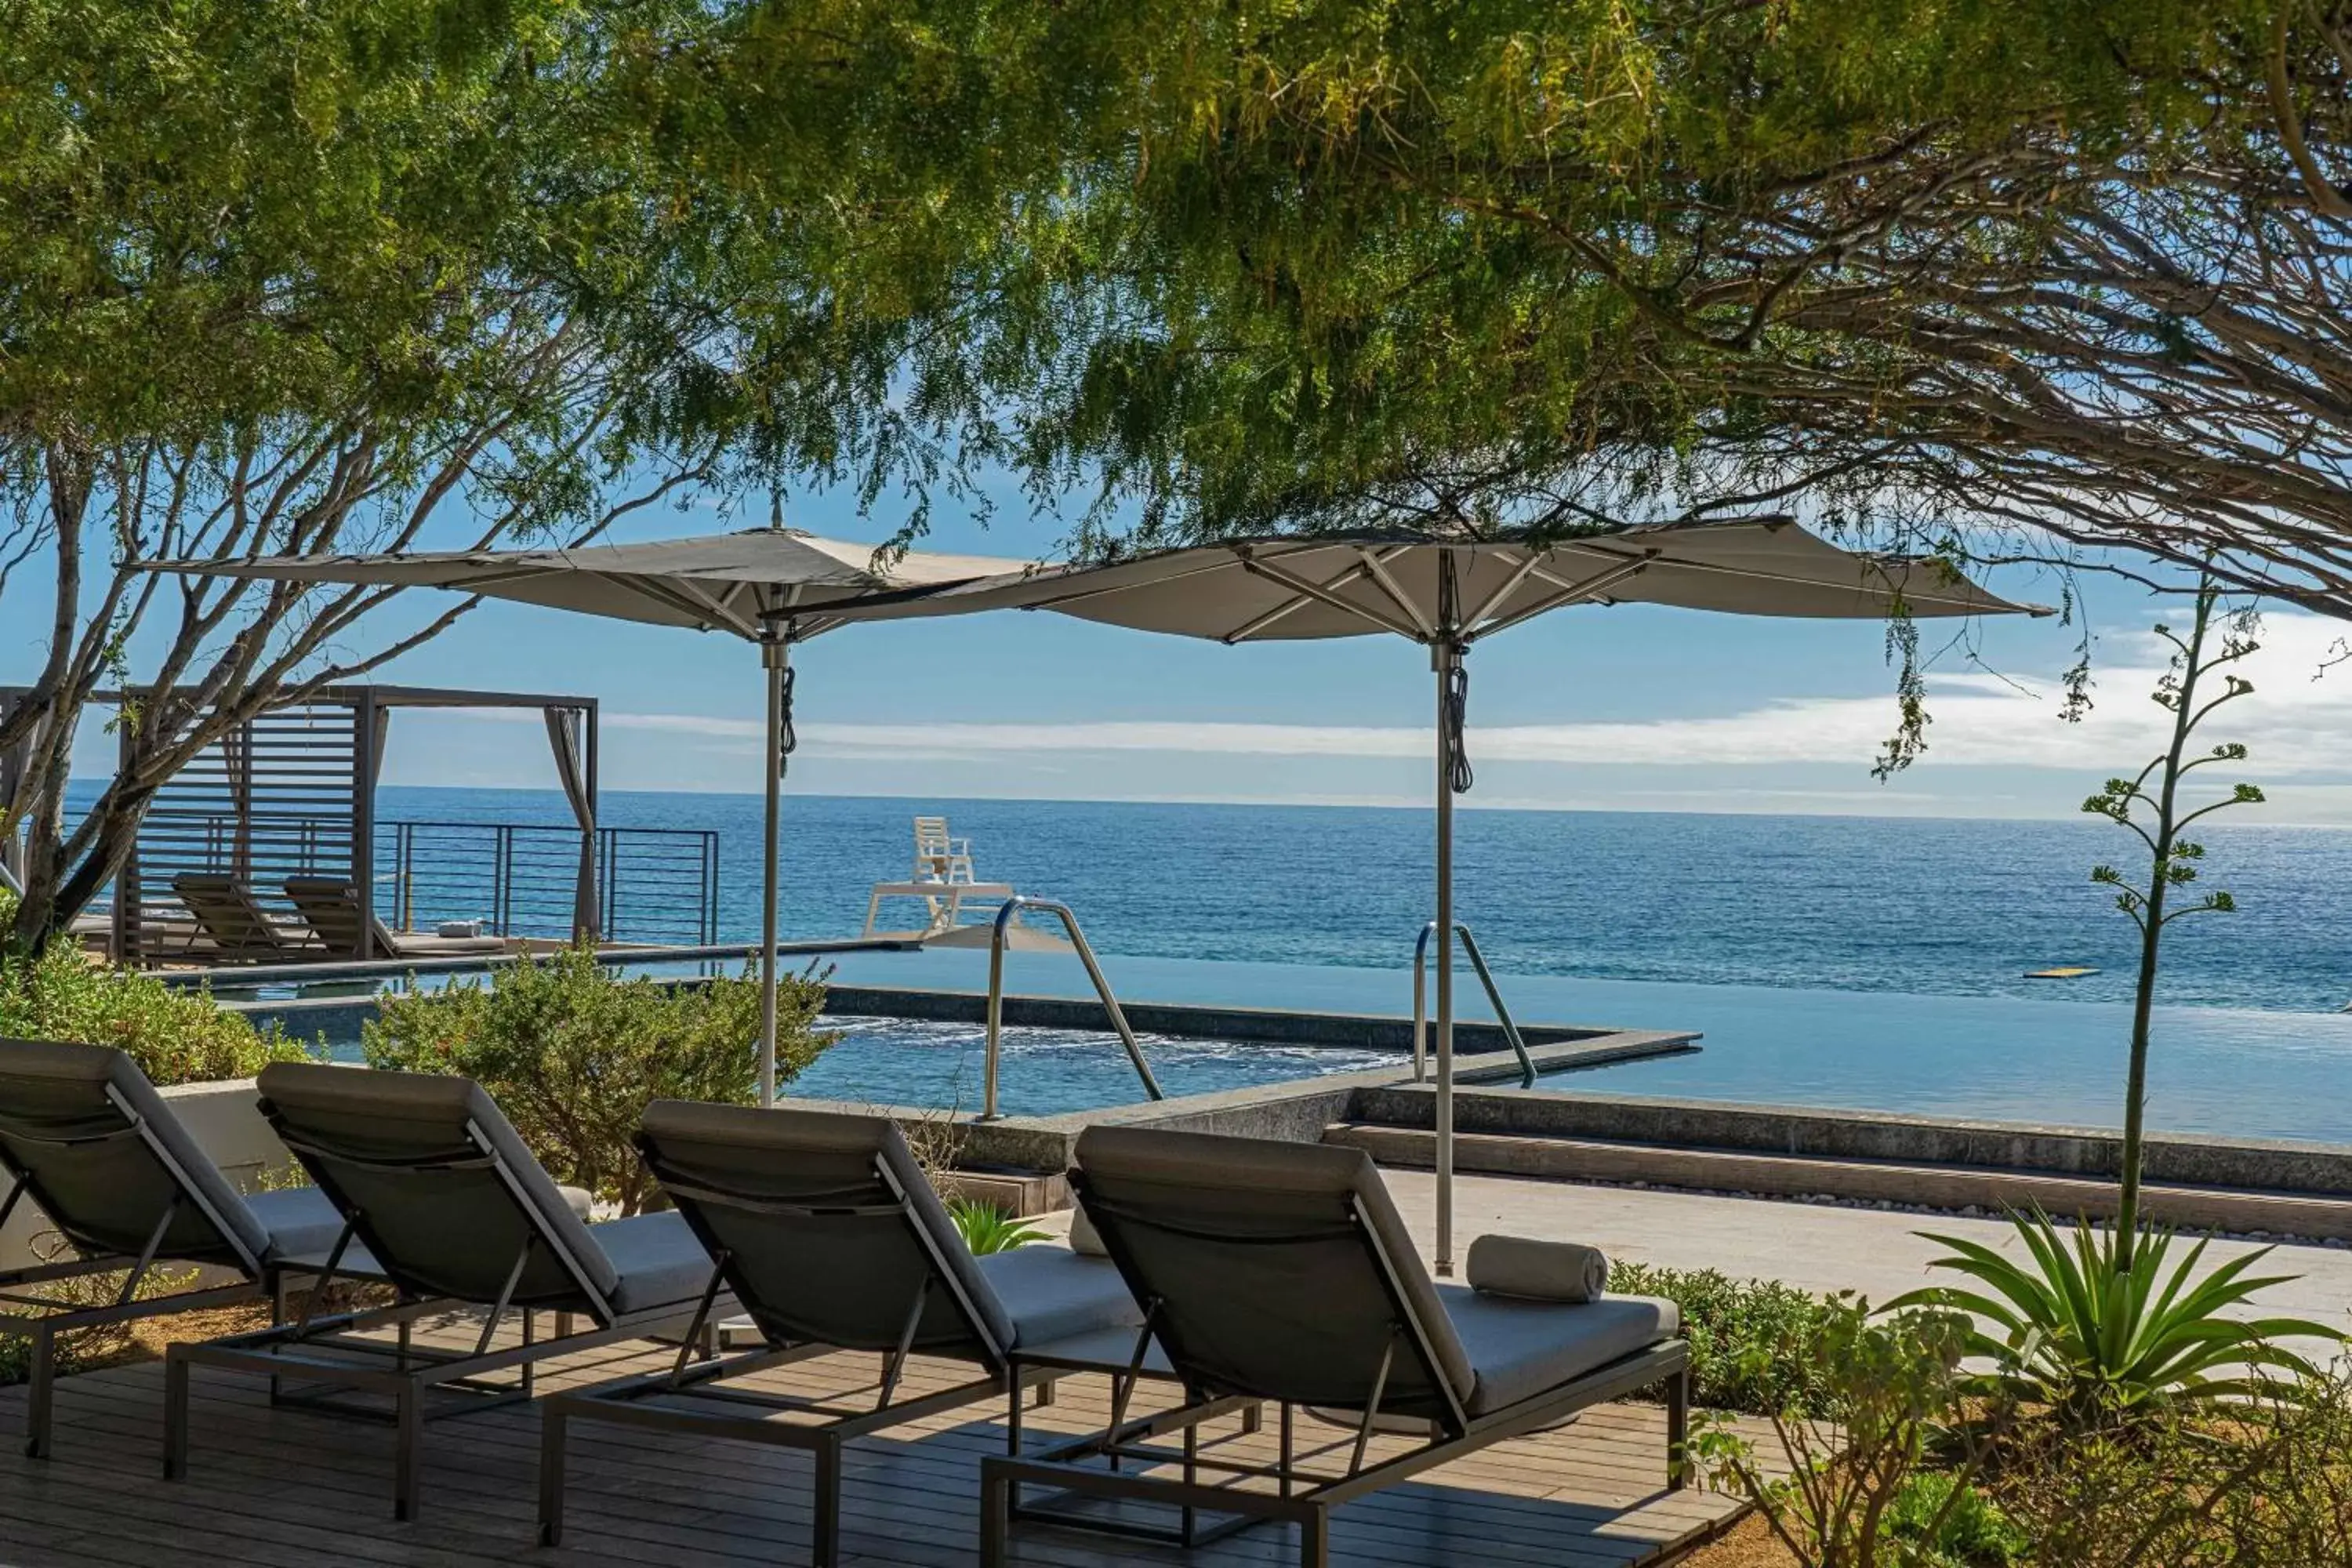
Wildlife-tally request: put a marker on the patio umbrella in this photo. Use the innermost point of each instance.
(773, 587)
(1449, 593)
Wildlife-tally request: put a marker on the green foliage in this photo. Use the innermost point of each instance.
(1851, 1496)
(987, 1228)
(573, 1054)
(2265, 1482)
(1952, 1524)
(1738, 1332)
(2095, 1332)
(175, 1036)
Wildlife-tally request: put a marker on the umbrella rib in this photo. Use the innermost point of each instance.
(1298, 584)
(1510, 585)
(695, 593)
(1289, 606)
(1569, 593)
(647, 588)
(1377, 565)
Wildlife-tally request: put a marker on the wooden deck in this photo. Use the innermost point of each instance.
(297, 1489)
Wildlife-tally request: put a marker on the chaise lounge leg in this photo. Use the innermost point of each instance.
(1678, 1389)
(1315, 1538)
(825, 1547)
(41, 1397)
(551, 1434)
(996, 1517)
(175, 1415)
(405, 1467)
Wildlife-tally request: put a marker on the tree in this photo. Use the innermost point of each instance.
(397, 272)
(2072, 269)
(2150, 806)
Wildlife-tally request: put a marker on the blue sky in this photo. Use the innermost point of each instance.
(1625, 708)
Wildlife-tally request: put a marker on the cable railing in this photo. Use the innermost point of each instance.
(655, 886)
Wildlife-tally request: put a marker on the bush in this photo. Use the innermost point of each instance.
(175, 1036)
(1854, 1492)
(2097, 1329)
(1946, 1531)
(573, 1054)
(1728, 1321)
(2264, 1482)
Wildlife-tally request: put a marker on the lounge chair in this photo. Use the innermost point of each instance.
(332, 905)
(1281, 1272)
(86, 1140)
(831, 1239)
(441, 1198)
(232, 920)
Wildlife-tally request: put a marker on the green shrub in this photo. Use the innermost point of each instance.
(1849, 1492)
(2095, 1328)
(175, 1036)
(1726, 1322)
(2265, 1481)
(573, 1054)
(1946, 1531)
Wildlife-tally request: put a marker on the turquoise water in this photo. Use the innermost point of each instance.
(1863, 963)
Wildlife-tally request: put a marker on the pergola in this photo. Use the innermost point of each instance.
(291, 792)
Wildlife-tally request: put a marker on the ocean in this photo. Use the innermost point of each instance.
(1860, 963)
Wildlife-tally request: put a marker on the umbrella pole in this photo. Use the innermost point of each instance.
(1446, 656)
(777, 658)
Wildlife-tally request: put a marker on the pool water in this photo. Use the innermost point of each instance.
(1044, 1072)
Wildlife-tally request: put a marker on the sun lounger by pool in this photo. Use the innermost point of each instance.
(232, 921)
(832, 1239)
(441, 1198)
(86, 1140)
(332, 905)
(1281, 1272)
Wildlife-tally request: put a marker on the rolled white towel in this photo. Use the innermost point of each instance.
(1537, 1270)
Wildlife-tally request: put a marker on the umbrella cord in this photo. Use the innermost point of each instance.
(785, 740)
(1454, 708)
(1457, 713)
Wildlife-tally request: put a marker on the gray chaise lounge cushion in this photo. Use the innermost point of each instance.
(1262, 1255)
(808, 1277)
(1051, 1292)
(105, 1195)
(1520, 1348)
(456, 1231)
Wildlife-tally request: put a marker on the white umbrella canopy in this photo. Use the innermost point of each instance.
(770, 586)
(1353, 585)
(741, 583)
(1448, 593)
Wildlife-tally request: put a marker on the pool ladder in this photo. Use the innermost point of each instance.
(1005, 915)
(1494, 995)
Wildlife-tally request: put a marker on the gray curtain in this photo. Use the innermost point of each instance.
(564, 726)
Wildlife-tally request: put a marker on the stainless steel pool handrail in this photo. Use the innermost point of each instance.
(1006, 914)
(1494, 995)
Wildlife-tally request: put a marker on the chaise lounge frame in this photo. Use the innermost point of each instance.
(1095, 1467)
(347, 1368)
(750, 1415)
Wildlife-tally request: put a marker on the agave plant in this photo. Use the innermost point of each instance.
(987, 1228)
(2094, 1328)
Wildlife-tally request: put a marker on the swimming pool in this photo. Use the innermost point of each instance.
(1045, 1072)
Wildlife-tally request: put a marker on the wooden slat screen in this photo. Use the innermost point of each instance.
(275, 799)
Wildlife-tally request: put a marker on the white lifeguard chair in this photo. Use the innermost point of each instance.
(943, 879)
